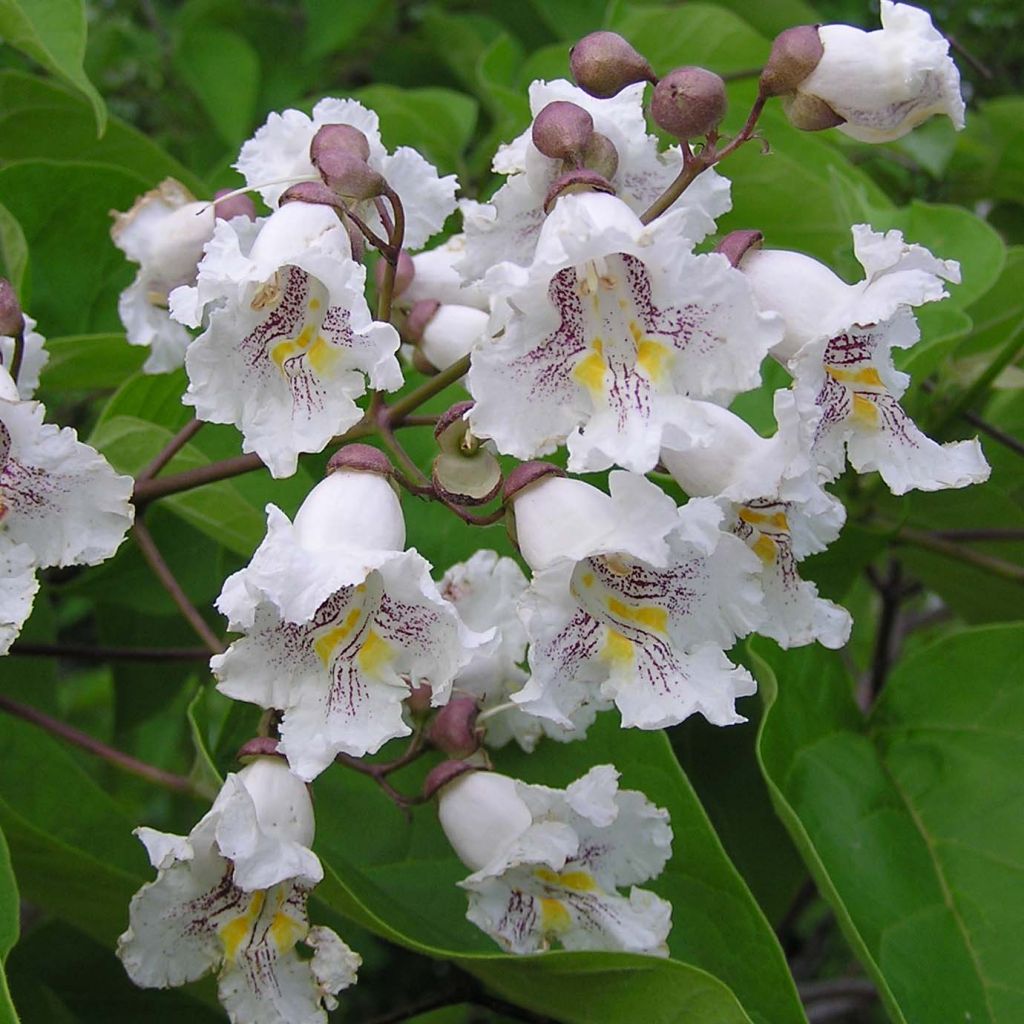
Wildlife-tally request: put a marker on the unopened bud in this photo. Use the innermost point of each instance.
(350, 176)
(405, 271)
(735, 244)
(12, 320)
(421, 364)
(258, 746)
(809, 113)
(527, 473)
(795, 54)
(362, 457)
(562, 130)
(453, 730)
(604, 63)
(689, 102)
(600, 156)
(238, 205)
(341, 138)
(576, 181)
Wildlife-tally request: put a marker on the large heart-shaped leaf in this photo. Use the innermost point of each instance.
(912, 822)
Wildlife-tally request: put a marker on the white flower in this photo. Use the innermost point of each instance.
(33, 357)
(437, 278)
(339, 622)
(887, 82)
(452, 332)
(607, 327)
(774, 503)
(507, 228)
(60, 504)
(290, 342)
(641, 618)
(838, 343)
(231, 897)
(279, 153)
(548, 863)
(164, 232)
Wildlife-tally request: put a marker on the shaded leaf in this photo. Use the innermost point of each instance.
(90, 362)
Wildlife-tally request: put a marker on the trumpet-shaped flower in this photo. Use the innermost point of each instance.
(508, 227)
(60, 504)
(339, 623)
(773, 501)
(639, 617)
(611, 323)
(164, 232)
(290, 342)
(838, 342)
(278, 154)
(33, 357)
(231, 897)
(548, 863)
(883, 84)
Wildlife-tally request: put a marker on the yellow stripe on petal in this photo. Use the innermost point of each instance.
(865, 412)
(653, 358)
(867, 377)
(617, 647)
(647, 615)
(374, 654)
(235, 932)
(765, 548)
(286, 931)
(325, 644)
(553, 916)
(590, 370)
(578, 881)
(755, 518)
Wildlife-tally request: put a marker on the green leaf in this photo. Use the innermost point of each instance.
(71, 845)
(223, 71)
(43, 120)
(771, 19)
(570, 19)
(53, 32)
(13, 249)
(989, 158)
(89, 362)
(64, 211)
(9, 917)
(398, 880)
(912, 823)
(1000, 310)
(218, 510)
(336, 25)
(437, 122)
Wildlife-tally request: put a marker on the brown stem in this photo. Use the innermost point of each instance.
(176, 443)
(420, 482)
(1007, 440)
(694, 164)
(18, 354)
(428, 420)
(151, 553)
(890, 591)
(149, 490)
(149, 772)
(435, 385)
(991, 534)
(929, 542)
(85, 652)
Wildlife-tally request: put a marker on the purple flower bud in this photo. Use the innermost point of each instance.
(795, 54)
(527, 473)
(258, 746)
(735, 244)
(809, 113)
(440, 775)
(576, 181)
(340, 138)
(363, 457)
(604, 63)
(453, 730)
(405, 271)
(350, 176)
(562, 130)
(689, 102)
(12, 320)
(237, 206)
(600, 156)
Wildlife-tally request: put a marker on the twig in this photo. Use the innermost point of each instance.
(988, 534)
(890, 590)
(400, 409)
(929, 542)
(118, 758)
(88, 653)
(18, 354)
(176, 443)
(1007, 440)
(149, 490)
(151, 553)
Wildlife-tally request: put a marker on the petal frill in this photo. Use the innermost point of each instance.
(18, 587)
(33, 357)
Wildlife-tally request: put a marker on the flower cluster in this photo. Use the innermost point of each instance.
(579, 307)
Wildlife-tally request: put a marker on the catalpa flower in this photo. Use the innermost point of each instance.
(164, 232)
(60, 504)
(278, 154)
(508, 227)
(839, 341)
(290, 343)
(639, 614)
(339, 623)
(548, 863)
(231, 897)
(33, 357)
(610, 324)
(773, 501)
(883, 84)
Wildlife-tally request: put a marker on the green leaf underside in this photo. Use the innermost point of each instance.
(912, 822)
(9, 914)
(399, 880)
